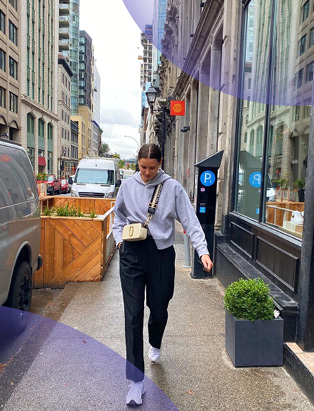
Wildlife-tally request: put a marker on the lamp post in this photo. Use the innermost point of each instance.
(151, 95)
(138, 149)
(133, 138)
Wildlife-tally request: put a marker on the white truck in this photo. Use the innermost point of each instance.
(96, 177)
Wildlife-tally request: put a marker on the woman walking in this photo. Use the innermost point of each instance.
(150, 264)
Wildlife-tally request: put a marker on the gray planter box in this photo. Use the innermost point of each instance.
(254, 343)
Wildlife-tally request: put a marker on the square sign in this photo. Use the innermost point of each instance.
(177, 108)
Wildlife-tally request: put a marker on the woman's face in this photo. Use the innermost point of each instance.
(149, 168)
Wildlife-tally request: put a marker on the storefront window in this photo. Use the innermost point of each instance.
(273, 174)
(252, 117)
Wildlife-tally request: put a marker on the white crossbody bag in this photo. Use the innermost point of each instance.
(138, 231)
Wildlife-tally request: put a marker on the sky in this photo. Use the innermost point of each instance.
(117, 45)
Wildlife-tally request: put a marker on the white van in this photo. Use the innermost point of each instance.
(96, 177)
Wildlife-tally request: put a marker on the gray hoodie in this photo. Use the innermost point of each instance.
(174, 204)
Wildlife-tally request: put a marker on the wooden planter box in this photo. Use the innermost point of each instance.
(73, 249)
(254, 343)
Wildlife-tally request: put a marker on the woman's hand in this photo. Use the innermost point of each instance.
(207, 262)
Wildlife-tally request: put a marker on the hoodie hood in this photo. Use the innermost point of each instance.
(160, 177)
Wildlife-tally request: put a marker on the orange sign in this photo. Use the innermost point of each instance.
(177, 108)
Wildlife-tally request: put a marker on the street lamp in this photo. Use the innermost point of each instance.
(138, 149)
(151, 95)
(133, 138)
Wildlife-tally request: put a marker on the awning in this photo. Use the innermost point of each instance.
(41, 161)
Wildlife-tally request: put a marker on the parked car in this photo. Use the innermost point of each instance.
(53, 184)
(65, 186)
(19, 227)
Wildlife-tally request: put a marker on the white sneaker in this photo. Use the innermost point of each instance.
(154, 355)
(135, 393)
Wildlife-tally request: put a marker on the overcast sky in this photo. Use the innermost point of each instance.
(116, 39)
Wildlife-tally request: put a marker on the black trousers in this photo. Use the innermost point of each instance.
(144, 267)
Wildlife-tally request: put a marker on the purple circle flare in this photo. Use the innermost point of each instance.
(276, 77)
(47, 365)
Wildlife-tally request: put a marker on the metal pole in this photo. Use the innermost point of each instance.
(163, 137)
(187, 257)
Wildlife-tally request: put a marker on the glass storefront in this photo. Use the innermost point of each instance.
(274, 116)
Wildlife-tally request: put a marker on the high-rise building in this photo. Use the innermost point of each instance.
(74, 146)
(64, 112)
(158, 31)
(39, 116)
(10, 69)
(86, 80)
(64, 25)
(86, 59)
(96, 94)
(74, 53)
(146, 66)
(97, 131)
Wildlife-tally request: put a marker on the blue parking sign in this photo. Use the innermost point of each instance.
(208, 178)
(255, 179)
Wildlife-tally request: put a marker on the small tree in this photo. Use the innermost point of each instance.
(103, 149)
(121, 163)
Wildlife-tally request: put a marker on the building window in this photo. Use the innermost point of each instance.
(305, 11)
(13, 3)
(12, 32)
(31, 155)
(50, 132)
(2, 97)
(309, 72)
(41, 128)
(13, 68)
(272, 165)
(30, 124)
(311, 37)
(2, 21)
(2, 59)
(297, 112)
(302, 44)
(307, 108)
(13, 102)
(299, 79)
(49, 165)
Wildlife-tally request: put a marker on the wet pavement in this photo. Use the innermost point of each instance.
(77, 363)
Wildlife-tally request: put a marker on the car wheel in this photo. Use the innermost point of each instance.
(20, 295)
(13, 321)
(52, 192)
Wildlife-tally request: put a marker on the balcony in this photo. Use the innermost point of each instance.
(64, 33)
(64, 21)
(64, 45)
(64, 9)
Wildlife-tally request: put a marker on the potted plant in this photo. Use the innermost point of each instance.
(300, 184)
(254, 337)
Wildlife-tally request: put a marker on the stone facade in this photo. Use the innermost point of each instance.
(64, 113)
(39, 76)
(248, 96)
(10, 77)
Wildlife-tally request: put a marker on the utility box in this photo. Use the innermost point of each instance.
(206, 206)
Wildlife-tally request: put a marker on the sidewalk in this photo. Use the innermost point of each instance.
(74, 372)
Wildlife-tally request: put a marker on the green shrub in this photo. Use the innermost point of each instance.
(249, 300)
(47, 211)
(93, 214)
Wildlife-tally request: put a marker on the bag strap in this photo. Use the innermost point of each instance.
(152, 207)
